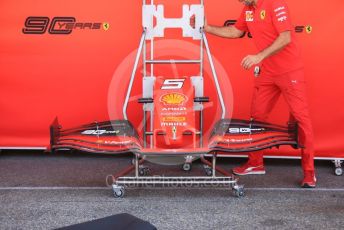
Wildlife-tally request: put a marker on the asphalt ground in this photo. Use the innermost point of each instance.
(48, 191)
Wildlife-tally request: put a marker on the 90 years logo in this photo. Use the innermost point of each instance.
(59, 25)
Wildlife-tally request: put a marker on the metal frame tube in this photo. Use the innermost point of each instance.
(223, 178)
(152, 75)
(144, 54)
(214, 165)
(219, 93)
(144, 129)
(201, 127)
(172, 61)
(201, 55)
(136, 165)
(131, 82)
(201, 75)
(152, 57)
(150, 181)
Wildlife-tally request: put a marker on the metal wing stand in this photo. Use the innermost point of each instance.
(151, 31)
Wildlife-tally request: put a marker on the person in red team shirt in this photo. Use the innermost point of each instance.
(281, 72)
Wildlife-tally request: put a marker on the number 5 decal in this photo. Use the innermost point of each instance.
(173, 84)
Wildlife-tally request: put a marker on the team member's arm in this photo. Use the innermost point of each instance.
(224, 31)
(235, 31)
(282, 41)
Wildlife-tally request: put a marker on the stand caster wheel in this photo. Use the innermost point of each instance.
(338, 171)
(118, 191)
(143, 171)
(187, 167)
(208, 171)
(239, 191)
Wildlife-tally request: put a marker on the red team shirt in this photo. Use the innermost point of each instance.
(265, 22)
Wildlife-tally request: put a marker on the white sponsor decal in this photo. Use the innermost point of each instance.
(279, 8)
(99, 132)
(173, 84)
(174, 109)
(281, 13)
(240, 140)
(281, 19)
(164, 124)
(174, 114)
(243, 130)
(117, 142)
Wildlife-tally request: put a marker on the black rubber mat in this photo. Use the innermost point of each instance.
(122, 221)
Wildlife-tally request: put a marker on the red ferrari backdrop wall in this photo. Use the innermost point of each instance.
(45, 73)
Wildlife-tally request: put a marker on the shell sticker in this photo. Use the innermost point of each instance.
(173, 99)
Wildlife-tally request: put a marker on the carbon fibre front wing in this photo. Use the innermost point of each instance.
(119, 136)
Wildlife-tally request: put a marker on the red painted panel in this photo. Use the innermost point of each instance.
(82, 76)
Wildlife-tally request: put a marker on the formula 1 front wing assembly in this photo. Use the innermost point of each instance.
(119, 136)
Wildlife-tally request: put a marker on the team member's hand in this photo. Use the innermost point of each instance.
(251, 60)
(205, 24)
(193, 22)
